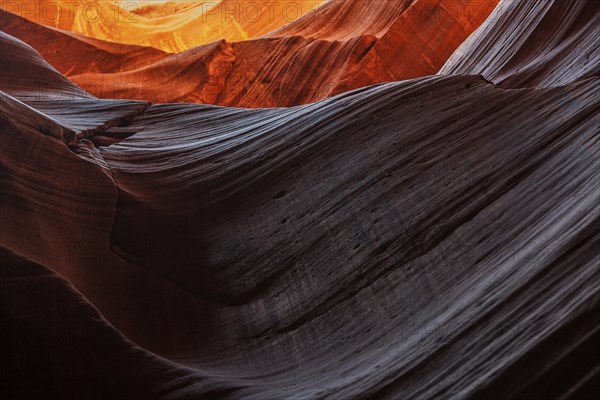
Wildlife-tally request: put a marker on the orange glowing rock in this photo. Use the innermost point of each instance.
(171, 26)
(419, 42)
(314, 57)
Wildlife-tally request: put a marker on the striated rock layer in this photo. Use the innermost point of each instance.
(513, 47)
(74, 54)
(324, 53)
(430, 238)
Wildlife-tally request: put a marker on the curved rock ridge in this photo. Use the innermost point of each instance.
(240, 141)
(26, 73)
(513, 48)
(356, 224)
(74, 54)
(423, 37)
(346, 19)
(284, 69)
(197, 75)
(30, 86)
(179, 26)
(432, 238)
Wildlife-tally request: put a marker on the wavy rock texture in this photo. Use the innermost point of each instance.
(340, 46)
(305, 63)
(423, 38)
(26, 73)
(514, 49)
(345, 19)
(99, 56)
(433, 238)
(181, 24)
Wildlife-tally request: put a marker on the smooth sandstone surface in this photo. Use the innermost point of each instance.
(429, 238)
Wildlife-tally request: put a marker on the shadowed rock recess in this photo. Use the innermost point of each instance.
(427, 229)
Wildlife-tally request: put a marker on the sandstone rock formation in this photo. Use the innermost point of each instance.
(514, 48)
(340, 46)
(172, 27)
(430, 238)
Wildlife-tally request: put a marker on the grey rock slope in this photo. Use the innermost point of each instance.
(533, 43)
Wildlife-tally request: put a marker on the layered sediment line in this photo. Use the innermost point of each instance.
(513, 48)
(340, 46)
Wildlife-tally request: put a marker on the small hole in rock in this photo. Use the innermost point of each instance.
(280, 195)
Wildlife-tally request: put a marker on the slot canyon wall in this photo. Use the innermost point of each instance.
(374, 200)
